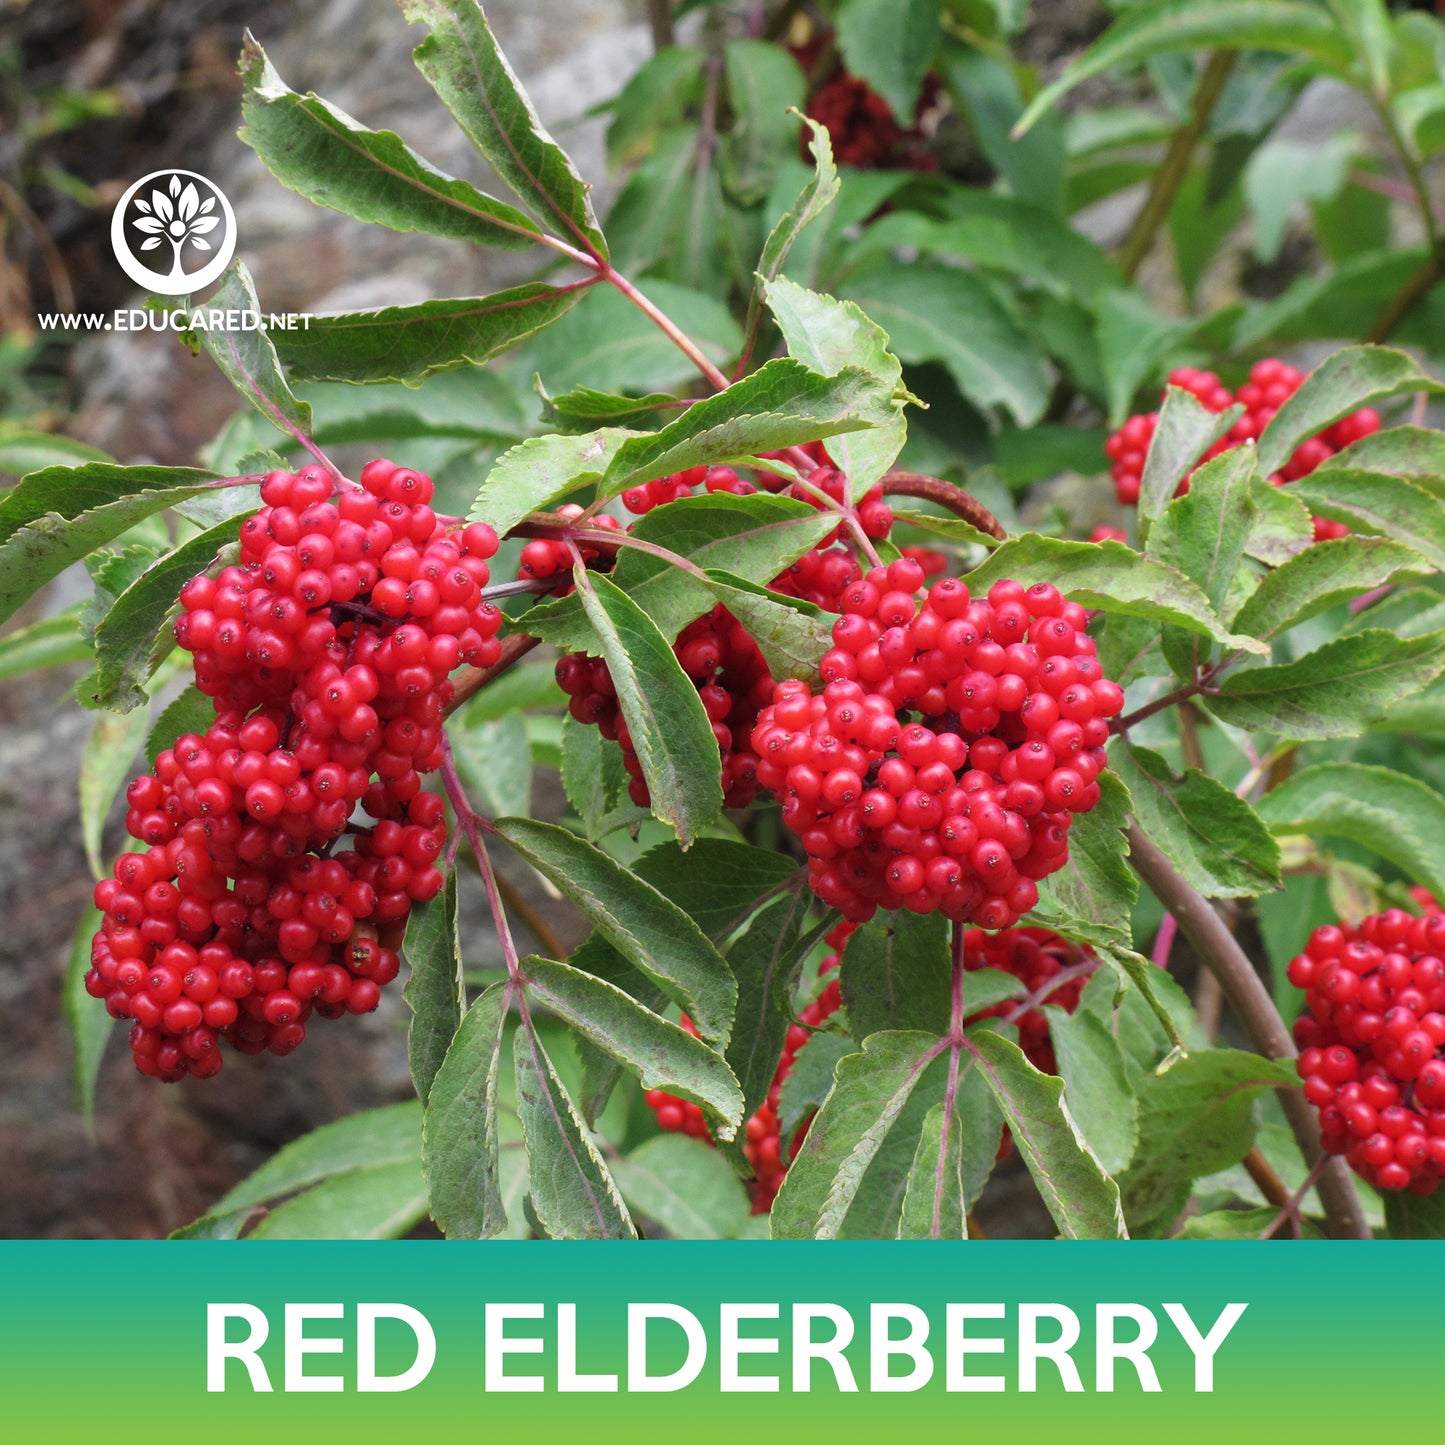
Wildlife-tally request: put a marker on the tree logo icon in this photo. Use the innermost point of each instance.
(173, 232)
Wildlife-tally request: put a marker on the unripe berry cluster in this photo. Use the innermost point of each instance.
(941, 764)
(1033, 956)
(1271, 383)
(1371, 1044)
(326, 651)
(762, 1141)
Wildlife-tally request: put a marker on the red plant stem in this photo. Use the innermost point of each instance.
(946, 494)
(1219, 950)
(1048, 988)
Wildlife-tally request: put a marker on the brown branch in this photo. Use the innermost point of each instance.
(471, 680)
(948, 495)
(1268, 1182)
(1252, 1005)
(1174, 168)
(659, 13)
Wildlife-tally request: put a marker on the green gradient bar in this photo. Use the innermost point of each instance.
(109, 1339)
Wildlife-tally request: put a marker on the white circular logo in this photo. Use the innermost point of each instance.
(173, 232)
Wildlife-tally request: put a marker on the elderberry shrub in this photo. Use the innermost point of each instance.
(325, 650)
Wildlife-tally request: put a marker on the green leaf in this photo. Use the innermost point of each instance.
(434, 990)
(810, 1079)
(933, 312)
(1283, 174)
(754, 537)
(1111, 577)
(671, 733)
(1357, 377)
(133, 637)
(583, 408)
(461, 60)
(572, 1190)
(381, 1202)
(459, 1137)
(1135, 337)
(1194, 1119)
(661, 1054)
(896, 974)
(248, 361)
(1322, 577)
(1185, 431)
(410, 343)
(764, 85)
(1392, 815)
(91, 1027)
(49, 643)
(1079, 1194)
(649, 930)
(935, 1205)
(791, 633)
(815, 197)
(191, 712)
(1203, 534)
(106, 766)
(1211, 836)
(542, 470)
(889, 44)
(869, 1094)
(55, 517)
(955, 529)
(1333, 692)
(22, 452)
(685, 1187)
(827, 334)
(1093, 894)
(1147, 31)
(1096, 1085)
(657, 95)
(1388, 506)
(1241, 1224)
(390, 1135)
(1402, 451)
(1284, 527)
(1409, 1216)
(312, 147)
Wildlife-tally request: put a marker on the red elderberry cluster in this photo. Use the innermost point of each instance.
(1033, 956)
(1271, 383)
(716, 651)
(326, 651)
(1371, 1044)
(952, 743)
(763, 1142)
(545, 557)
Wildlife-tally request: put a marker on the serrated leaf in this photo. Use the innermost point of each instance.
(1321, 577)
(896, 974)
(826, 334)
(670, 730)
(1333, 692)
(378, 1202)
(313, 147)
(754, 537)
(1389, 506)
(106, 766)
(1108, 576)
(685, 1187)
(410, 343)
(661, 1054)
(649, 930)
(935, 1205)
(542, 470)
(1283, 528)
(1147, 31)
(869, 1094)
(1078, 1193)
(1194, 1119)
(791, 633)
(1395, 816)
(1185, 431)
(1210, 835)
(390, 1135)
(133, 637)
(459, 1136)
(1402, 451)
(53, 518)
(810, 1079)
(461, 60)
(954, 529)
(1096, 1085)
(49, 643)
(571, 1188)
(434, 989)
(248, 361)
(584, 408)
(1357, 377)
(91, 1027)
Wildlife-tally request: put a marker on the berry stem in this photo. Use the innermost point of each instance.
(1048, 988)
(1290, 1207)
(1220, 952)
(948, 495)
